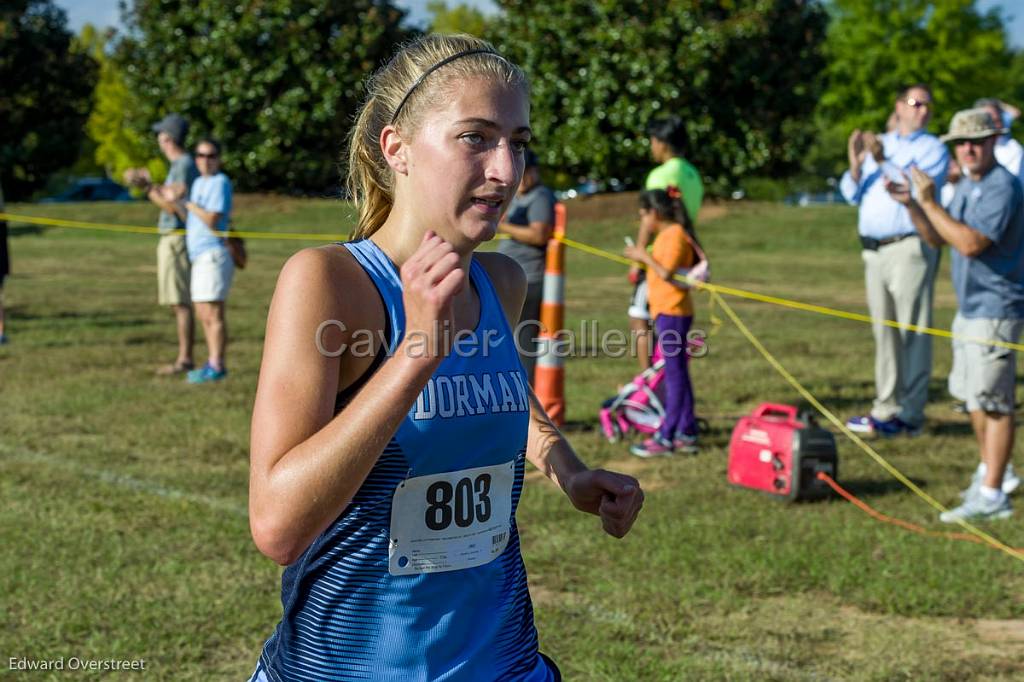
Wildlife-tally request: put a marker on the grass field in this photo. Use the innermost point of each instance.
(123, 495)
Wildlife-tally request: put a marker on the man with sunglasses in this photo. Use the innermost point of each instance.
(899, 267)
(985, 228)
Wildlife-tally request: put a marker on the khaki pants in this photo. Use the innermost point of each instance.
(900, 279)
(173, 272)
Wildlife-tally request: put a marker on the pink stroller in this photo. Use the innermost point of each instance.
(639, 405)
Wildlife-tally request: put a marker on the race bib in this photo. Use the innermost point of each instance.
(450, 521)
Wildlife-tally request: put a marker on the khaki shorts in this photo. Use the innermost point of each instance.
(983, 375)
(173, 272)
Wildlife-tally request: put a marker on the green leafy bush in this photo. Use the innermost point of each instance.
(277, 82)
(744, 76)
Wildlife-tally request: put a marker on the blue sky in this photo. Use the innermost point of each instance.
(104, 12)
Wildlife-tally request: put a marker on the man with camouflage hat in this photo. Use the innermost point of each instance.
(985, 228)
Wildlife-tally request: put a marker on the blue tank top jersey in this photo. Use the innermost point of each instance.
(350, 613)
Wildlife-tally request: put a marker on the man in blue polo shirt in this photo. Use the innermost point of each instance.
(985, 228)
(899, 268)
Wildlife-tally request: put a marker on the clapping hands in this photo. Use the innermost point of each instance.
(924, 187)
(139, 178)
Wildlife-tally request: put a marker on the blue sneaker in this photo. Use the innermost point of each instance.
(206, 374)
(3, 339)
(887, 429)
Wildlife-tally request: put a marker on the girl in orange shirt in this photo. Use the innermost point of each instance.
(672, 310)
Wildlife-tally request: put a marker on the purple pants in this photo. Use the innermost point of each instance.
(672, 330)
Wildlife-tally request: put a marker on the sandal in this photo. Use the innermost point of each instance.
(176, 368)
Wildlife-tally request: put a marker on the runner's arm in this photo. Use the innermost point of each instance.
(306, 463)
(615, 498)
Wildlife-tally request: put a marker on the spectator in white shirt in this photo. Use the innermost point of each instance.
(1009, 152)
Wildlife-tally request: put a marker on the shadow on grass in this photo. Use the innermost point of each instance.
(24, 230)
(579, 426)
(859, 395)
(99, 319)
(865, 487)
(950, 429)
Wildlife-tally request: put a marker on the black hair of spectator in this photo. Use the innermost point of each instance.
(919, 86)
(669, 130)
(668, 208)
(210, 141)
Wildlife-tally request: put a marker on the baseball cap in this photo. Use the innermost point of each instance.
(175, 126)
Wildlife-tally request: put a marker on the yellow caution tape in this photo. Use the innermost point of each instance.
(716, 292)
(806, 307)
(137, 229)
(707, 286)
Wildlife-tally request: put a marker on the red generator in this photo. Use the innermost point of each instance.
(780, 453)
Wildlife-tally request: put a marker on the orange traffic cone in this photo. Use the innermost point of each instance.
(549, 373)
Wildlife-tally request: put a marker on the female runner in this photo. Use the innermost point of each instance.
(393, 417)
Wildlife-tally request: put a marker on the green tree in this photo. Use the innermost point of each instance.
(277, 81)
(459, 18)
(116, 145)
(1016, 96)
(45, 98)
(742, 74)
(877, 47)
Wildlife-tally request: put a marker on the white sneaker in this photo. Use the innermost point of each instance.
(977, 508)
(1011, 481)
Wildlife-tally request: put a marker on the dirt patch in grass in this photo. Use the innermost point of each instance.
(1001, 631)
(852, 637)
(546, 596)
